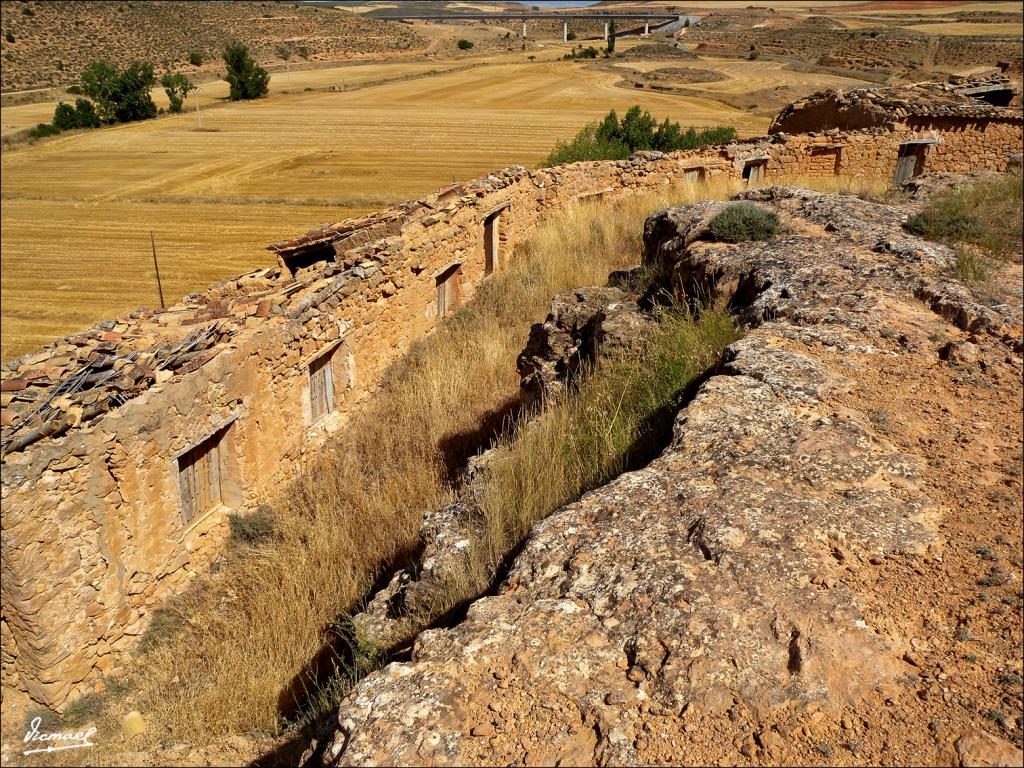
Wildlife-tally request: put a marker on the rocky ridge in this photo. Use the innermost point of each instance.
(721, 603)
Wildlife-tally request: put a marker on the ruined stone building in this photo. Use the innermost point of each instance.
(126, 446)
(972, 118)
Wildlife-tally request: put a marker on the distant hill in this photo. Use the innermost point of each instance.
(53, 42)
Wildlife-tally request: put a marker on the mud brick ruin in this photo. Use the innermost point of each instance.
(125, 447)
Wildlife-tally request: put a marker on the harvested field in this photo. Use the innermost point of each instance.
(267, 170)
(1001, 29)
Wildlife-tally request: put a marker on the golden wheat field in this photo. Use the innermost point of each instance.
(78, 209)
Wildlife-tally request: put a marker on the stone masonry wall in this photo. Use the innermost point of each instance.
(94, 537)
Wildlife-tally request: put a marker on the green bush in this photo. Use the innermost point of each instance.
(570, 36)
(247, 80)
(9, 37)
(947, 218)
(195, 58)
(28, 11)
(611, 139)
(741, 222)
(251, 528)
(75, 89)
(177, 87)
(465, 45)
(120, 95)
(44, 129)
(590, 52)
(81, 115)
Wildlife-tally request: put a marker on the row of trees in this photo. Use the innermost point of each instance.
(115, 95)
(612, 139)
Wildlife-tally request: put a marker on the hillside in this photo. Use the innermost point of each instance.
(53, 42)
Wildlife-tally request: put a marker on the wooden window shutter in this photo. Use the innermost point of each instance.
(199, 478)
(319, 400)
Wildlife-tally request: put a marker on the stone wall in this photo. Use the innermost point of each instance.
(95, 534)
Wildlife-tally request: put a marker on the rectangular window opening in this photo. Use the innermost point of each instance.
(331, 372)
(199, 477)
(448, 291)
(754, 171)
(694, 175)
(910, 162)
(492, 242)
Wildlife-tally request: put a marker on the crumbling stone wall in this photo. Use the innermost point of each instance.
(94, 536)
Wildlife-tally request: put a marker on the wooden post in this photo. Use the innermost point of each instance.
(156, 267)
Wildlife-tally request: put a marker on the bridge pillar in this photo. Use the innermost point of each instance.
(565, 31)
(606, 30)
(524, 29)
(647, 26)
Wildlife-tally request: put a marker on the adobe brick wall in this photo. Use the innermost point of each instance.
(93, 533)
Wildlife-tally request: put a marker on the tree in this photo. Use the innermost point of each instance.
(177, 87)
(82, 115)
(570, 35)
(120, 96)
(247, 80)
(611, 36)
(611, 139)
(9, 37)
(465, 45)
(195, 58)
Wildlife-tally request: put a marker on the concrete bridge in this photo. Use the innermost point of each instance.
(660, 19)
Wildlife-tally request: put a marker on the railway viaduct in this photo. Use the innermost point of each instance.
(659, 19)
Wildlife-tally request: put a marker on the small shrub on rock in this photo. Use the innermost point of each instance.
(741, 222)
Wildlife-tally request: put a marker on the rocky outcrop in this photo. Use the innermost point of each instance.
(714, 585)
(583, 323)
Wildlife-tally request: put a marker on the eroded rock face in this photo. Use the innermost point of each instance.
(583, 323)
(714, 584)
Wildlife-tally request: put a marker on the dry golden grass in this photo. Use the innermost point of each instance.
(77, 209)
(361, 502)
(1003, 29)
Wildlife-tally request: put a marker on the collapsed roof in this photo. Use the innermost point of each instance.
(855, 108)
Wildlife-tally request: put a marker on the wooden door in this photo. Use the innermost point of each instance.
(906, 163)
(199, 479)
(318, 399)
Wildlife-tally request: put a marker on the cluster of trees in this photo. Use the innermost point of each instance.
(612, 139)
(115, 95)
